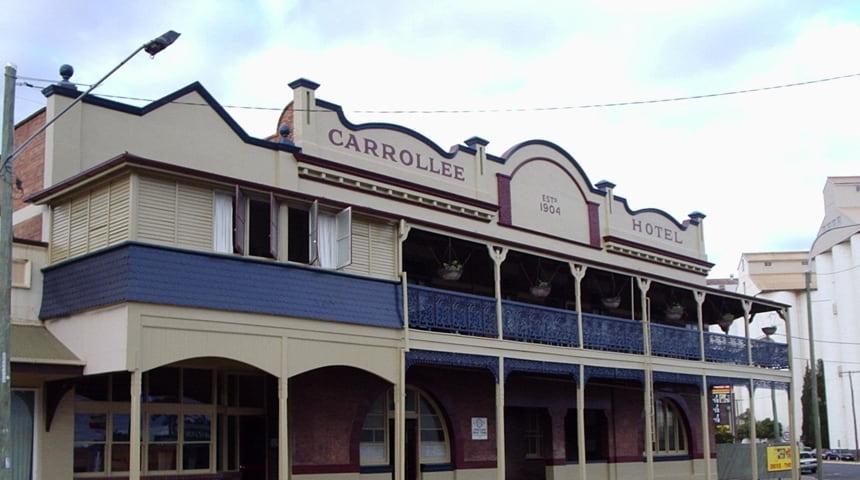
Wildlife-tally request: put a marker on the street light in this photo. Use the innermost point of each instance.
(151, 47)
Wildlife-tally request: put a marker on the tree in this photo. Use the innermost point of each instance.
(807, 435)
(723, 434)
(763, 428)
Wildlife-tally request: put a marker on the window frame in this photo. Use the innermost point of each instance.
(180, 408)
(669, 426)
(413, 411)
(341, 241)
(24, 278)
(533, 433)
(338, 240)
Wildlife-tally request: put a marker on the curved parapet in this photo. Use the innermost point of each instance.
(534, 188)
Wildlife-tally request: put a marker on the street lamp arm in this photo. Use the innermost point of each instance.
(6, 236)
(152, 47)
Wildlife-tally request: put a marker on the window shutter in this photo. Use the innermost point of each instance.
(273, 226)
(238, 222)
(313, 234)
(343, 225)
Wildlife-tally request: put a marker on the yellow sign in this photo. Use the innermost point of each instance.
(778, 458)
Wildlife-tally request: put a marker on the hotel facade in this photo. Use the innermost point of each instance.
(354, 302)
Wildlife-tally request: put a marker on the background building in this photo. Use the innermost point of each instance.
(834, 260)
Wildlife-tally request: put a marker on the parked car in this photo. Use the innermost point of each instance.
(839, 454)
(808, 462)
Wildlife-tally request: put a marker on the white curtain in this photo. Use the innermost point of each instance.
(327, 240)
(222, 237)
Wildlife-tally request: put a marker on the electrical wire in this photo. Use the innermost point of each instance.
(529, 109)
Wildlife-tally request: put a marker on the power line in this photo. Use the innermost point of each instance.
(526, 109)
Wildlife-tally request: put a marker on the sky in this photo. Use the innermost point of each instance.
(754, 163)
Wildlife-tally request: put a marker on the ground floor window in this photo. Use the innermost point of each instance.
(426, 439)
(180, 411)
(671, 435)
(533, 433)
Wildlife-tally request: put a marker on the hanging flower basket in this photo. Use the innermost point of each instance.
(542, 289)
(611, 302)
(674, 312)
(726, 321)
(451, 270)
(769, 330)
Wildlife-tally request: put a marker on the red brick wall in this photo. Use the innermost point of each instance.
(327, 408)
(29, 164)
(623, 405)
(286, 118)
(461, 395)
(30, 229)
(29, 170)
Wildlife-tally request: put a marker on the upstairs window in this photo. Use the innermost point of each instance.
(330, 237)
(248, 224)
(255, 225)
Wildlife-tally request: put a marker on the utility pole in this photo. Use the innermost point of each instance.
(853, 409)
(816, 420)
(11, 74)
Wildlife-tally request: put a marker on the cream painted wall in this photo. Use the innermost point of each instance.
(55, 447)
(27, 301)
(556, 208)
(675, 470)
(99, 338)
(165, 340)
(203, 142)
(159, 335)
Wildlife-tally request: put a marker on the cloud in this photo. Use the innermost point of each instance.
(754, 163)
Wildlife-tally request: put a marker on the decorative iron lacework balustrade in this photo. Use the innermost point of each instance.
(537, 324)
(446, 311)
(725, 348)
(769, 354)
(675, 342)
(607, 333)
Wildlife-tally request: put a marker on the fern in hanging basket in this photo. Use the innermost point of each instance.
(451, 270)
(541, 288)
(675, 311)
(611, 302)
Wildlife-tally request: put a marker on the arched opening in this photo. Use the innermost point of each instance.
(426, 442)
(670, 437)
(197, 416)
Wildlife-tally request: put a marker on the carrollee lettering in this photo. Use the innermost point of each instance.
(370, 147)
(403, 156)
(406, 157)
(388, 152)
(352, 143)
